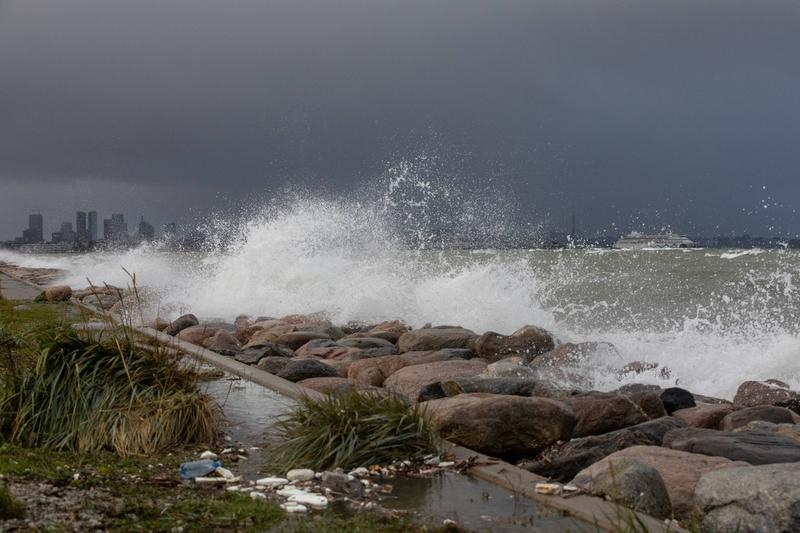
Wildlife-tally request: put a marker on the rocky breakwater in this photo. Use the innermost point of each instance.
(526, 397)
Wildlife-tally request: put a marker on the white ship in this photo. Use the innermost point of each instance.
(638, 241)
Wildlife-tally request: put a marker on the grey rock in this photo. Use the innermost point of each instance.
(564, 463)
(601, 412)
(632, 483)
(366, 343)
(300, 369)
(769, 392)
(437, 338)
(765, 413)
(273, 364)
(511, 386)
(750, 499)
(675, 398)
(754, 448)
(181, 323)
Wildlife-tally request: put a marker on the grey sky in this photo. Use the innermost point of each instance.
(659, 112)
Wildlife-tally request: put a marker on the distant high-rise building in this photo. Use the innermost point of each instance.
(67, 233)
(119, 226)
(92, 225)
(108, 230)
(81, 229)
(146, 231)
(35, 232)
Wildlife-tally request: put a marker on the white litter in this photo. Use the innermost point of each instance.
(272, 482)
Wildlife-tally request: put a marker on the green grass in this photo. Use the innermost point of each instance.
(350, 430)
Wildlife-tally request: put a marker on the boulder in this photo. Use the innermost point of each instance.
(750, 499)
(769, 392)
(269, 334)
(526, 343)
(197, 334)
(649, 402)
(703, 415)
(563, 463)
(222, 342)
(509, 386)
(102, 301)
(790, 431)
(272, 364)
(601, 412)
(59, 293)
(181, 323)
(679, 470)
(299, 369)
(409, 381)
(370, 346)
(631, 483)
(374, 371)
(328, 385)
(324, 327)
(675, 398)
(499, 425)
(438, 338)
(765, 413)
(296, 339)
(570, 354)
(752, 447)
(159, 324)
(510, 367)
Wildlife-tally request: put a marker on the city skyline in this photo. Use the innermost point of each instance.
(85, 230)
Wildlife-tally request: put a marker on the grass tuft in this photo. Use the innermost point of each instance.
(88, 394)
(349, 430)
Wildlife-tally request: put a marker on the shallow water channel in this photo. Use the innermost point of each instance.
(474, 504)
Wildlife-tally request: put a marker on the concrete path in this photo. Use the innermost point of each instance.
(14, 289)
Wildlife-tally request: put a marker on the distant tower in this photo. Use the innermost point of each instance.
(146, 231)
(119, 227)
(92, 226)
(35, 232)
(81, 230)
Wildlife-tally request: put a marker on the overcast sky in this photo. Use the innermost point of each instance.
(680, 112)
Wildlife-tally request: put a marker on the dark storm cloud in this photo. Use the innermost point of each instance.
(658, 112)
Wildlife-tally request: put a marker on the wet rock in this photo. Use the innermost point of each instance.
(181, 323)
(630, 388)
(342, 483)
(573, 456)
(270, 331)
(750, 499)
(438, 338)
(790, 431)
(511, 367)
(601, 412)
(222, 342)
(675, 398)
(375, 371)
(296, 339)
(300, 369)
(367, 343)
(272, 364)
(410, 380)
(509, 386)
(766, 413)
(101, 301)
(328, 385)
(754, 448)
(323, 327)
(197, 334)
(769, 392)
(59, 293)
(679, 470)
(527, 342)
(159, 324)
(703, 415)
(632, 483)
(571, 355)
(499, 425)
(649, 402)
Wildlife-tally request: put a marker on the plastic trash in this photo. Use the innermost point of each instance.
(194, 469)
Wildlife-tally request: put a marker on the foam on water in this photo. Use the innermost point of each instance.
(352, 260)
